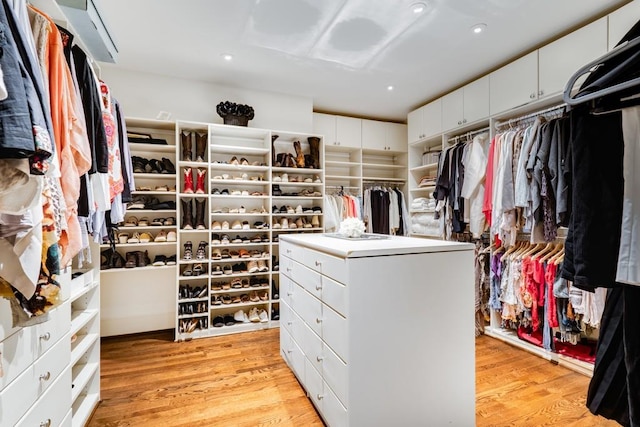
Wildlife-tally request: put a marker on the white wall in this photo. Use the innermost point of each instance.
(145, 95)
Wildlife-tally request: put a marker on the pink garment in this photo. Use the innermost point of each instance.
(116, 181)
(550, 278)
(488, 185)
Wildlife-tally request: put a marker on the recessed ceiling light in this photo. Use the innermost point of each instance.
(227, 56)
(389, 88)
(478, 28)
(418, 7)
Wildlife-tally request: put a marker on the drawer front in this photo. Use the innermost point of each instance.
(328, 265)
(56, 327)
(292, 354)
(17, 397)
(286, 316)
(313, 384)
(309, 308)
(334, 332)
(311, 345)
(51, 365)
(286, 289)
(68, 420)
(17, 353)
(53, 406)
(334, 413)
(334, 294)
(289, 250)
(334, 372)
(307, 278)
(286, 268)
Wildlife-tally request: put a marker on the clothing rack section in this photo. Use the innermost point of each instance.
(384, 208)
(548, 113)
(468, 136)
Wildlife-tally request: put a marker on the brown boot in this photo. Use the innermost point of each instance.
(187, 215)
(142, 258)
(200, 214)
(201, 146)
(289, 161)
(299, 155)
(273, 149)
(132, 260)
(185, 140)
(314, 149)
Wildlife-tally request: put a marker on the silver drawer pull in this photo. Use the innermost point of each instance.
(288, 269)
(289, 351)
(289, 293)
(288, 251)
(289, 323)
(45, 377)
(318, 263)
(45, 337)
(318, 287)
(46, 423)
(319, 358)
(318, 320)
(320, 396)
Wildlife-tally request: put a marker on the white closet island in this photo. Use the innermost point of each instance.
(380, 332)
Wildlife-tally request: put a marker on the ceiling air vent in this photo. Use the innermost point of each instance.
(89, 24)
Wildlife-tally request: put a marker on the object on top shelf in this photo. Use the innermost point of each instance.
(235, 114)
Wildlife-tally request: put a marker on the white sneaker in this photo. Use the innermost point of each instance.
(299, 209)
(172, 236)
(285, 177)
(241, 316)
(263, 316)
(253, 315)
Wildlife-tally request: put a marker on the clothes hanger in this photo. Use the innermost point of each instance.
(579, 98)
(556, 249)
(548, 247)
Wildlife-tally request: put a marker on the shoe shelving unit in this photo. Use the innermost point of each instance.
(239, 200)
(141, 299)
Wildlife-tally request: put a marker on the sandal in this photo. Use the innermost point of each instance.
(131, 221)
(143, 222)
(170, 221)
(158, 221)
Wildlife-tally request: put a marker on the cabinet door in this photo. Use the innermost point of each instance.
(415, 126)
(349, 132)
(555, 64)
(325, 125)
(396, 137)
(515, 84)
(452, 110)
(373, 135)
(432, 117)
(476, 100)
(621, 21)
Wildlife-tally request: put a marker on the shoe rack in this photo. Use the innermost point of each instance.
(231, 188)
(146, 241)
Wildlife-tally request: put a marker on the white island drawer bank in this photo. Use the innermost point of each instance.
(380, 332)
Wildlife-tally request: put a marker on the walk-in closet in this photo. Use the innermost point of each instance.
(342, 213)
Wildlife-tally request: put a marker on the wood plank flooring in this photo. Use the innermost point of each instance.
(240, 380)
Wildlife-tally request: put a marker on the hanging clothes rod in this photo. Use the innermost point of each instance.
(381, 183)
(342, 186)
(517, 120)
(469, 134)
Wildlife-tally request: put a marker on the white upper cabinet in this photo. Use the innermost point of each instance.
(384, 136)
(466, 105)
(396, 136)
(425, 121)
(515, 84)
(621, 21)
(559, 60)
(338, 130)
(373, 135)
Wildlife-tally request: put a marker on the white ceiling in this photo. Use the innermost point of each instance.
(342, 53)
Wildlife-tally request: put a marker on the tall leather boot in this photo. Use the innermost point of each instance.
(273, 149)
(314, 149)
(185, 140)
(188, 181)
(299, 154)
(200, 214)
(187, 215)
(201, 146)
(202, 173)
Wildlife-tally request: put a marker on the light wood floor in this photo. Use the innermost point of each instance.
(240, 380)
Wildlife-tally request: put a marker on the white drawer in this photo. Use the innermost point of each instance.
(286, 266)
(17, 353)
(56, 327)
(307, 278)
(289, 250)
(334, 413)
(17, 397)
(286, 289)
(328, 265)
(311, 345)
(286, 316)
(313, 384)
(292, 354)
(309, 308)
(334, 332)
(68, 420)
(335, 295)
(334, 372)
(54, 404)
(49, 366)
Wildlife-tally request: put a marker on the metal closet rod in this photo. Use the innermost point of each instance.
(383, 183)
(520, 119)
(469, 134)
(341, 186)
